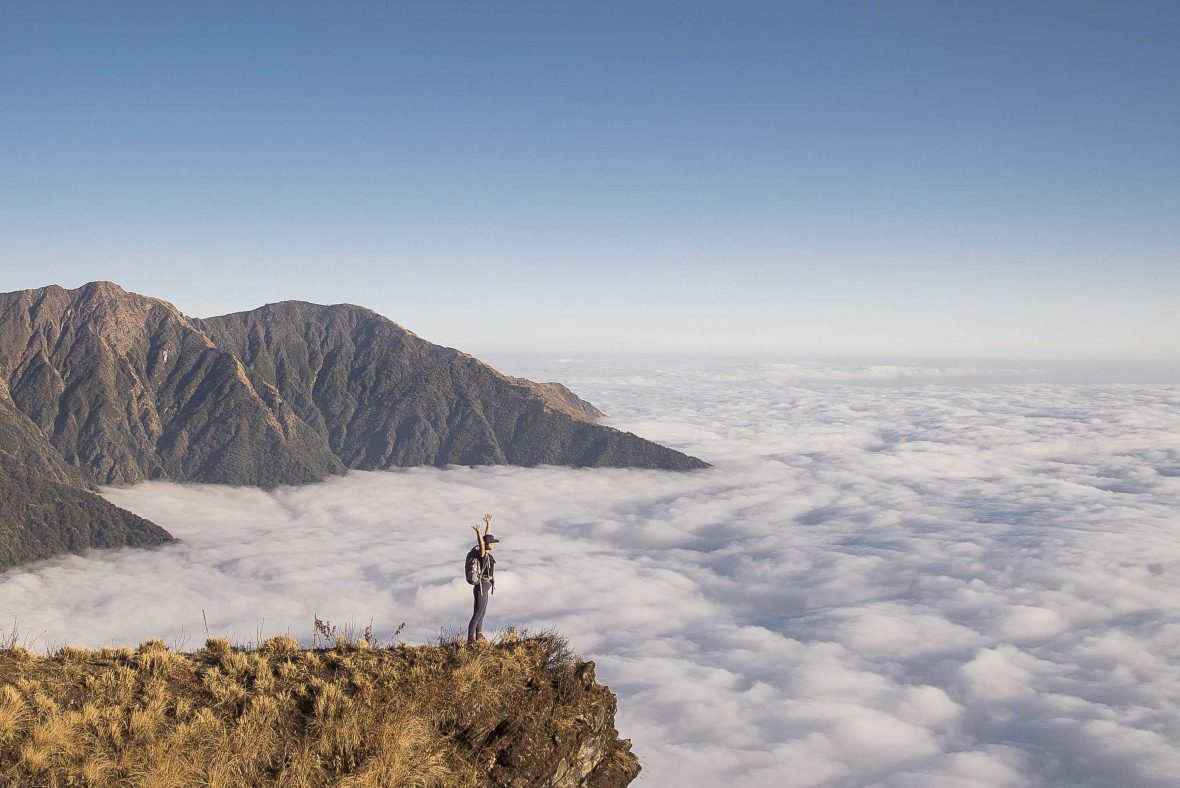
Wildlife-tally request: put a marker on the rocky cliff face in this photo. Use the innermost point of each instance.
(127, 388)
(586, 754)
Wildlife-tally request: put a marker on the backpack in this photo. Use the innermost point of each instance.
(473, 567)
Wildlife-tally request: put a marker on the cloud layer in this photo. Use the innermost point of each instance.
(891, 582)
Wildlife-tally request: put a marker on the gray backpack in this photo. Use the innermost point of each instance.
(473, 567)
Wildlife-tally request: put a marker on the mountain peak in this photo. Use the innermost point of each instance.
(311, 311)
(109, 293)
(101, 287)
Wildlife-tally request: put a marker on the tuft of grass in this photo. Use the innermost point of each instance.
(34, 759)
(13, 713)
(218, 646)
(74, 654)
(281, 646)
(152, 646)
(20, 653)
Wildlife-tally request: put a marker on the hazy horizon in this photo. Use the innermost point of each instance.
(1061, 368)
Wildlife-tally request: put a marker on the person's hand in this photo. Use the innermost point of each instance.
(476, 529)
(487, 518)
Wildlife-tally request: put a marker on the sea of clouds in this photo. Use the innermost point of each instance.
(893, 575)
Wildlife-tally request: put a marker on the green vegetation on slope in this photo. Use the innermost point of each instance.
(40, 517)
(45, 506)
(521, 712)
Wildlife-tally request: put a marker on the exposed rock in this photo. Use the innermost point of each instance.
(585, 753)
(560, 398)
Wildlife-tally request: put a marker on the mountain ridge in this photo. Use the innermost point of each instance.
(99, 385)
(128, 388)
(423, 404)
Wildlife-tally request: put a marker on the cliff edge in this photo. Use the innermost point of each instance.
(519, 712)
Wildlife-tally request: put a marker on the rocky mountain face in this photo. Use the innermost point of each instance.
(99, 385)
(127, 388)
(381, 397)
(561, 398)
(22, 442)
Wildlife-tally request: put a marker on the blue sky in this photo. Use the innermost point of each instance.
(974, 179)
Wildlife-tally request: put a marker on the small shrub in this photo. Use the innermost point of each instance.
(555, 652)
(322, 633)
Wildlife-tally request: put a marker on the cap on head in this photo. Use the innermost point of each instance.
(490, 539)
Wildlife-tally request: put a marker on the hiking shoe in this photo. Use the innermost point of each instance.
(480, 638)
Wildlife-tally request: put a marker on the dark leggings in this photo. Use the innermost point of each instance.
(480, 590)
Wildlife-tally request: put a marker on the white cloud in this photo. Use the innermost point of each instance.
(898, 584)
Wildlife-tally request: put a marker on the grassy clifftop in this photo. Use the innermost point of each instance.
(520, 712)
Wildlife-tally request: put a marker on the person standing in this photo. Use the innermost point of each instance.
(480, 569)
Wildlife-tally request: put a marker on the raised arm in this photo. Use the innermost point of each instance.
(479, 541)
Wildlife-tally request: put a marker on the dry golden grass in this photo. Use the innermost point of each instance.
(353, 715)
